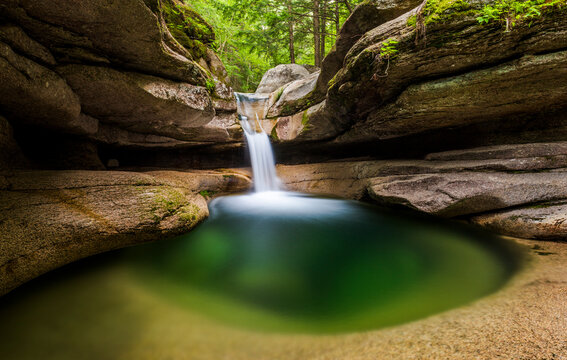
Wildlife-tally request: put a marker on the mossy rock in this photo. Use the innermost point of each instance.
(183, 20)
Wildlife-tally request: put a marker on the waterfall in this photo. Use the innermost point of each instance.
(252, 108)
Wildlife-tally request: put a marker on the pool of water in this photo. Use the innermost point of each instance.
(268, 262)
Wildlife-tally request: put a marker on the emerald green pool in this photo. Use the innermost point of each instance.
(266, 262)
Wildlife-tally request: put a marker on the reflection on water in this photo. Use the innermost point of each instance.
(272, 261)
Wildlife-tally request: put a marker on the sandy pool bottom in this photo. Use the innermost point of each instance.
(527, 319)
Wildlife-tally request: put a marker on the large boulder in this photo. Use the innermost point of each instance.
(465, 193)
(399, 53)
(515, 189)
(124, 32)
(364, 17)
(293, 96)
(277, 77)
(472, 98)
(51, 218)
(122, 73)
(140, 103)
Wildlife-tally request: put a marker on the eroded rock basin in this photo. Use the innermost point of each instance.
(220, 292)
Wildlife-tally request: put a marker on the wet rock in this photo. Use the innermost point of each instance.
(283, 74)
(547, 221)
(84, 213)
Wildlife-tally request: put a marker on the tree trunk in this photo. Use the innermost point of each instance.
(323, 28)
(337, 18)
(349, 8)
(291, 37)
(316, 33)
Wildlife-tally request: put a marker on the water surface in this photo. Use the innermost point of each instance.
(269, 262)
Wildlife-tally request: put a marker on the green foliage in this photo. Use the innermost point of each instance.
(252, 36)
(166, 203)
(279, 94)
(188, 27)
(207, 194)
(440, 11)
(512, 12)
(210, 84)
(305, 121)
(388, 49)
(412, 21)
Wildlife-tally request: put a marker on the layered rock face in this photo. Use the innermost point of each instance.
(435, 71)
(128, 73)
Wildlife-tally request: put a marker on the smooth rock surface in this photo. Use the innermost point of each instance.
(51, 218)
(282, 74)
(290, 100)
(471, 98)
(508, 151)
(455, 194)
(547, 221)
(140, 103)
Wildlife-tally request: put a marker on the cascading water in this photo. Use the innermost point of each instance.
(252, 108)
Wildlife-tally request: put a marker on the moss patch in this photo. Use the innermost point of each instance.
(207, 194)
(188, 215)
(187, 27)
(442, 11)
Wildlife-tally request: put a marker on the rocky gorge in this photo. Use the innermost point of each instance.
(118, 124)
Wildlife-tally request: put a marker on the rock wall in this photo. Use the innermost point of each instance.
(128, 73)
(430, 72)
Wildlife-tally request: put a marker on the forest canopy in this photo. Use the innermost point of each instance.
(253, 36)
